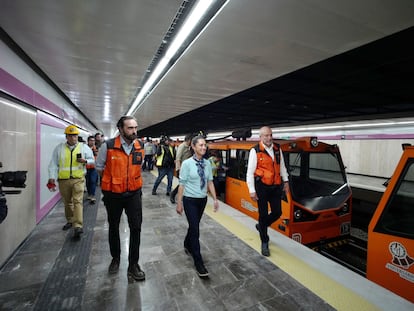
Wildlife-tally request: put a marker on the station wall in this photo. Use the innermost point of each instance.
(33, 116)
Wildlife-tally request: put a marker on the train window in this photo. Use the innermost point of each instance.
(293, 163)
(398, 215)
(223, 157)
(238, 164)
(317, 180)
(325, 167)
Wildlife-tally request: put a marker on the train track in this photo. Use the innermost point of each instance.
(350, 253)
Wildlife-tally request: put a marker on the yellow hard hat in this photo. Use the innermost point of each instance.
(72, 130)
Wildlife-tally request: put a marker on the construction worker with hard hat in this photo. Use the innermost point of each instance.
(68, 167)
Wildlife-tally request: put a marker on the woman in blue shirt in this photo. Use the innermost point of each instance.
(196, 179)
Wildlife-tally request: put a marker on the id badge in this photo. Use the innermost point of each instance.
(137, 157)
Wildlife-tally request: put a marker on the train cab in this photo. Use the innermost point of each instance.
(318, 206)
(390, 261)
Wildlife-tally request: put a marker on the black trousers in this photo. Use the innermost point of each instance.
(133, 209)
(268, 195)
(194, 209)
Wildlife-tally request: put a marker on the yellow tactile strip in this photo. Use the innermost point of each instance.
(335, 294)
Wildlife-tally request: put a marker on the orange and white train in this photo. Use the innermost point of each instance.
(319, 205)
(390, 261)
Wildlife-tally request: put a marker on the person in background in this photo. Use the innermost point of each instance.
(196, 179)
(217, 168)
(119, 163)
(99, 140)
(165, 164)
(150, 150)
(266, 178)
(91, 173)
(67, 167)
(183, 153)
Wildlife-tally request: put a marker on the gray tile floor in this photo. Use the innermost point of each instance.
(51, 271)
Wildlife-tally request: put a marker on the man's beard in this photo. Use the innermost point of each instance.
(130, 137)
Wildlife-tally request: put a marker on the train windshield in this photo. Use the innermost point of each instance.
(317, 180)
(398, 216)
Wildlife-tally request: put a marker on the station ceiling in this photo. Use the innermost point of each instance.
(269, 62)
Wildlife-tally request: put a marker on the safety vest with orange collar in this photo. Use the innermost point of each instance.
(267, 169)
(122, 172)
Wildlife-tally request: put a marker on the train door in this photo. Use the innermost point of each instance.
(221, 174)
(390, 261)
(237, 192)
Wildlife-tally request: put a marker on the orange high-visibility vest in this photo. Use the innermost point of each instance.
(267, 169)
(122, 172)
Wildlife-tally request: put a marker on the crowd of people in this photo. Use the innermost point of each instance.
(116, 164)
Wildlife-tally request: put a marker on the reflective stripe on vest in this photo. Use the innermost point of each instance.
(68, 166)
(160, 158)
(267, 169)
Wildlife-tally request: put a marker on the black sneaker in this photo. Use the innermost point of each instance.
(114, 266)
(67, 226)
(154, 192)
(265, 249)
(172, 199)
(77, 232)
(167, 194)
(201, 270)
(135, 273)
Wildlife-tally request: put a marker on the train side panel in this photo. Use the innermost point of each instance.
(390, 261)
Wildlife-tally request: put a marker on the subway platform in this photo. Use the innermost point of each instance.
(52, 271)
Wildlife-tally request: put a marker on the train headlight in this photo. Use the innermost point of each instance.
(314, 142)
(297, 214)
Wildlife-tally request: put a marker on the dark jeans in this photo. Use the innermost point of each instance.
(271, 195)
(91, 180)
(133, 209)
(162, 171)
(148, 162)
(194, 209)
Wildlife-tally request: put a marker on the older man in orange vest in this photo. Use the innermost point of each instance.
(266, 178)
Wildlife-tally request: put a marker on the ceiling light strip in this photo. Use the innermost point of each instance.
(161, 69)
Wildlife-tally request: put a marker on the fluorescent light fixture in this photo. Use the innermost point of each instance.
(342, 126)
(195, 16)
(188, 26)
